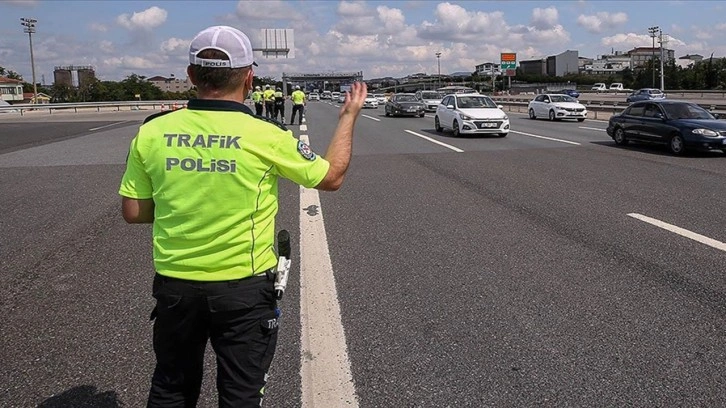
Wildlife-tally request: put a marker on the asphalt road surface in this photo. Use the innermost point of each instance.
(548, 268)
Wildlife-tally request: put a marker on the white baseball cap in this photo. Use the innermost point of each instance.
(228, 40)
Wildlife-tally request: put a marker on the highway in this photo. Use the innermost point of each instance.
(548, 268)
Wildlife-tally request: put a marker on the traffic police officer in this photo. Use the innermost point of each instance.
(269, 97)
(257, 99)
(279, 105)
(298, 104)
(206, 177)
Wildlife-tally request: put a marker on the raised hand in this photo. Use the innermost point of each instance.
(354, 99)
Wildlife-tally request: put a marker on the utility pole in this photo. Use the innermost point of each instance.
(662, 73)
(438, 78)
(653, 33)
(29, 24)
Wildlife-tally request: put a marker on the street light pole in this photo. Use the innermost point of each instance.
(662, 73)
(652, 31)
(438, 78)
(29, 24)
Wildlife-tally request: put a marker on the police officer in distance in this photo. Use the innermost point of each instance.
(269, 97)
(209, 186)
(279, 105)
(257, 99)
(298, 104)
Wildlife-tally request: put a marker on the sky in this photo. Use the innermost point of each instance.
(380, 38)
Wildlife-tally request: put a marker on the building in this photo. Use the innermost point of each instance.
(171, 84)
(64, 75)
(563, 63)
(608, 64)
(11, 90)
(639, 56)
(488, 69)
(86, 76)
(42, 98)
(536, 66)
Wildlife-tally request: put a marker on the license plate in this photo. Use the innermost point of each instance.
(412, 109)
(488, 125)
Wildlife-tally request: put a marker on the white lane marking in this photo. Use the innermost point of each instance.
(448, 146)
(327, 380)
(371, 117)
(105, 126)
(591, 128)
(544, 137)
(680, 231)
(303, 128)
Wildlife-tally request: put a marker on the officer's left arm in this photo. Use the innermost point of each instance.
(137, 211)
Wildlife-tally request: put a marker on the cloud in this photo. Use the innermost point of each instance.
(22, 3)
(145, 20)
(272, 10)
(601, 21)
(627, 40)
(175, 46)
(543, 19)
(107, 47)
(98, 27)
(353, 9)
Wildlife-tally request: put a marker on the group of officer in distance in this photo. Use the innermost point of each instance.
(273, 103)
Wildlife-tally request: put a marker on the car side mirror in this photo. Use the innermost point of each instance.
(716, 115)
(449, 106)
(500, 106)
(658, 116)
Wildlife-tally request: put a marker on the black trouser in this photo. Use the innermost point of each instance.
(269, 108)
(258, 108)
(238, 317)
(280, 111)
(300, 108)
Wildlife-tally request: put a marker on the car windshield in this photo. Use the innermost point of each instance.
(404, 98)
(431, 95)
(686, 111)
(562, 98)
(475, 102)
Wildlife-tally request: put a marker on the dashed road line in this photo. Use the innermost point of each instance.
(432, 140)
(680, 231)
(105, 126)
(371, 117)
(544, 137)
(592, 128)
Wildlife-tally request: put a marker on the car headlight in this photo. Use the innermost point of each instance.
(705, 132)
(505, 117)
(464, 117)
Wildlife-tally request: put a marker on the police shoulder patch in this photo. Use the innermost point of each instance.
(305, 150)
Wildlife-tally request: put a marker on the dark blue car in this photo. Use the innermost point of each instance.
(678, 124)
(571, 92)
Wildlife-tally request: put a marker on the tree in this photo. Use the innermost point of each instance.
(10, 74)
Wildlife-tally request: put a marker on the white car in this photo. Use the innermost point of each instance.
(314, 96)
(370, 102)
(381, 98)
(469, 113)
(335, 95)
(340, 97)
(556, 107)
(599, 87)
(431, 99)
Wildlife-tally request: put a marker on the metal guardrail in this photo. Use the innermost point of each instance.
(119, 105)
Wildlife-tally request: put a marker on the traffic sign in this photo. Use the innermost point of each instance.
(508, 61)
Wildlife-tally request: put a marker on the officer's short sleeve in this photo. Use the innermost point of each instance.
(136, 182)
(296, 161)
